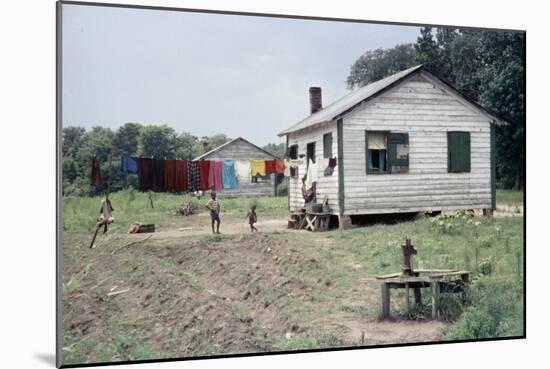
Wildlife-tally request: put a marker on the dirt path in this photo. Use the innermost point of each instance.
(229, 227)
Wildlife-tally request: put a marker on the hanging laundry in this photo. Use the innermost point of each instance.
(128, 164)
(312, 173)
(215, 176)
(95, 174)
(145, 174)
(229, 178)
(158, 175)
(242, 168)
(279, 166)
(170, 175)
(291, 167)
(204, 166)
(257, 168)
(181, 175)
(270, 166)
(193, 176)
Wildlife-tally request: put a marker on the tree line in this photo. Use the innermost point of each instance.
(488, 66)
(159, 141)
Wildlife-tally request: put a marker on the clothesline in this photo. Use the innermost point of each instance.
(188, 176)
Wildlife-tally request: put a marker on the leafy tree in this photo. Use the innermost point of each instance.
(188, 146)
(377, 64)
(487, 66)
(211, 142)
(72, 140)
(127, 139)
(274, 149)
(158, 141)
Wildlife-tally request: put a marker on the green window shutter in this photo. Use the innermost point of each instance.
(327, 145)
(458, 152)
(398, 152)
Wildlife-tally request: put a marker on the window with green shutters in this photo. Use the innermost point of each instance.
(386, 152)
(327, 145)
(458, 152)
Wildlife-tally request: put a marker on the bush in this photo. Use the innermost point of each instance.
(496, 310)
(282, 188)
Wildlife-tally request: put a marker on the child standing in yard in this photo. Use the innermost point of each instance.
(252, 218)
(214, 206)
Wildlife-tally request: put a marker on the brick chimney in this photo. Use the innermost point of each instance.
(315, 99)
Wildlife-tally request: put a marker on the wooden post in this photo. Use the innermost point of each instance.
(435, 300)
(385, 289)
(406, 298)
(344, 221)
(417, 296)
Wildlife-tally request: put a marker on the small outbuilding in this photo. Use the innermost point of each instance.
(241, 150)
(407, 143)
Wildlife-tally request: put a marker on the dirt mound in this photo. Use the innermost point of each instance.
(213, 295)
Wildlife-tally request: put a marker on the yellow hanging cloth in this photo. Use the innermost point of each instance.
(257, 167)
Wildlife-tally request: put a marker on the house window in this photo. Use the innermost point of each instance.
(310, 152)
(327, 145)
(377, 150)
(458, 152)
(387, 152)
(293, 152)
(293, 155)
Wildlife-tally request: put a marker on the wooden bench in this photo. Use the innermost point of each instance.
(438, 280)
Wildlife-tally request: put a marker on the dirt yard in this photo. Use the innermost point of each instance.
(186, 293)
(182, 292)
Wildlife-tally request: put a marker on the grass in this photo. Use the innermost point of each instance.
(510, 197)
(492, 249)
(79, 213)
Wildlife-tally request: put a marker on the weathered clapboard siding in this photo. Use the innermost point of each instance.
(426, 112)
(327, 185)
(241, 149)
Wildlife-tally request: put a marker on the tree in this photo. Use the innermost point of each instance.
(278, 150)
(72, 140)
(377, 64)
(157, 141)
(188, 146)
(127, 139)
(487, 66)
(211, 142)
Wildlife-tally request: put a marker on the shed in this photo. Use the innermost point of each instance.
(240, 149)
(410, 142)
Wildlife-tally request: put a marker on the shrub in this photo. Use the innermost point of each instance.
(496, 310)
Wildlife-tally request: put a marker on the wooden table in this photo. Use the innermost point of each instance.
(317, 221)
(437, 280)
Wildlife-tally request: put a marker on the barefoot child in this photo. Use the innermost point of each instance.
(252, 218)
(214, 206)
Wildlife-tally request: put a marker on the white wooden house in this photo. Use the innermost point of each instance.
(240, 149)
(407, 143)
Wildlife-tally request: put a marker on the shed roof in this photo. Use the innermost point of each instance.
(228, 143)
(354, 98)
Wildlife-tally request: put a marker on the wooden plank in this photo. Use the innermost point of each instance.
(341, 173)
(385, 299)
(435, 300)
(406, 298)
(493, 168)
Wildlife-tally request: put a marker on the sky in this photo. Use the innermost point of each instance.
(206, 73)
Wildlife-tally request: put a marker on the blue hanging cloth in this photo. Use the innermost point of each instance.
(382, 160)
(128, 164)
(370, 160)
(229, 179)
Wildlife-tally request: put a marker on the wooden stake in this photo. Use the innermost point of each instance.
(385, 289)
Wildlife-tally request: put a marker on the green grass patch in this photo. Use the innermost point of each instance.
(510, 197)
